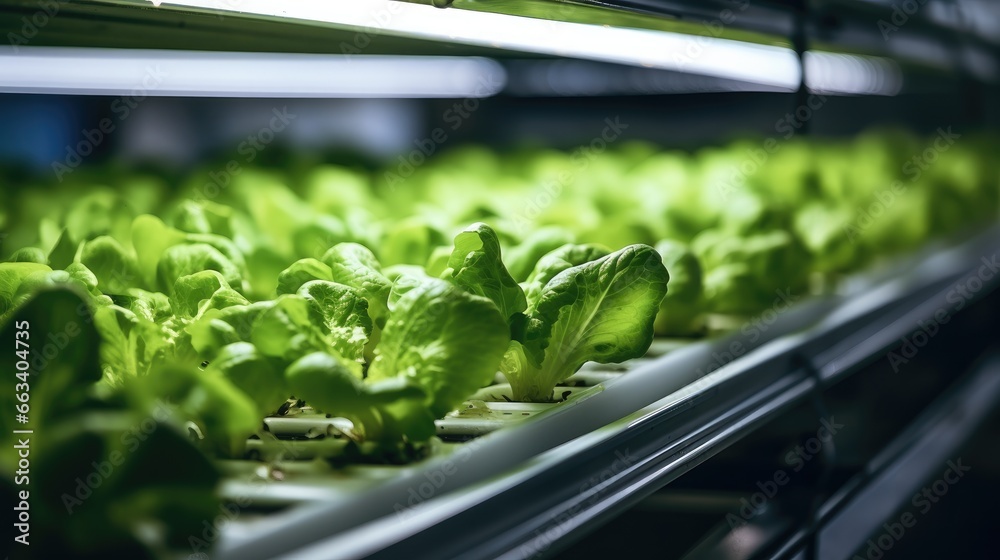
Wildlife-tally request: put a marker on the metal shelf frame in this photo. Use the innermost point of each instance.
(843, 519)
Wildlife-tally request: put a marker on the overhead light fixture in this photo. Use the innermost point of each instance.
(734, 65)
(834, 73)
(142, 73)
(586, 78)
(768, 65)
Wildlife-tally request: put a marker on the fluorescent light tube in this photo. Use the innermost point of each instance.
(767, 65)
(141, 73)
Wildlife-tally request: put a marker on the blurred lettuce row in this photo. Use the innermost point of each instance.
(208, 271)
(178, 273)
(807, 208)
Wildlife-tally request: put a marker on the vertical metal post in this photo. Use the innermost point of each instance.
(800, 42)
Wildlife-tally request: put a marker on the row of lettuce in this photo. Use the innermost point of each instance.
(134, 389)
(201, 307)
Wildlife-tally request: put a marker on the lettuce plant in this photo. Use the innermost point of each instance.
(579, 304)
(600, 311)
(110, 463)
(425, 365)
(682, 306)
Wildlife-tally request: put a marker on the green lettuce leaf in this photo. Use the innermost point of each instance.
(11, 276)
(186, 259)
(682, 305)
(302, 271)
(476, 266)
(410, 241)
(115, 269)
(354, 265)
(345, 316)
(260, 377)
(522, 258)
(151, 237)
(556, 261)
(449, 342)
(601, 311)
(29, 255)
(224, 414)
